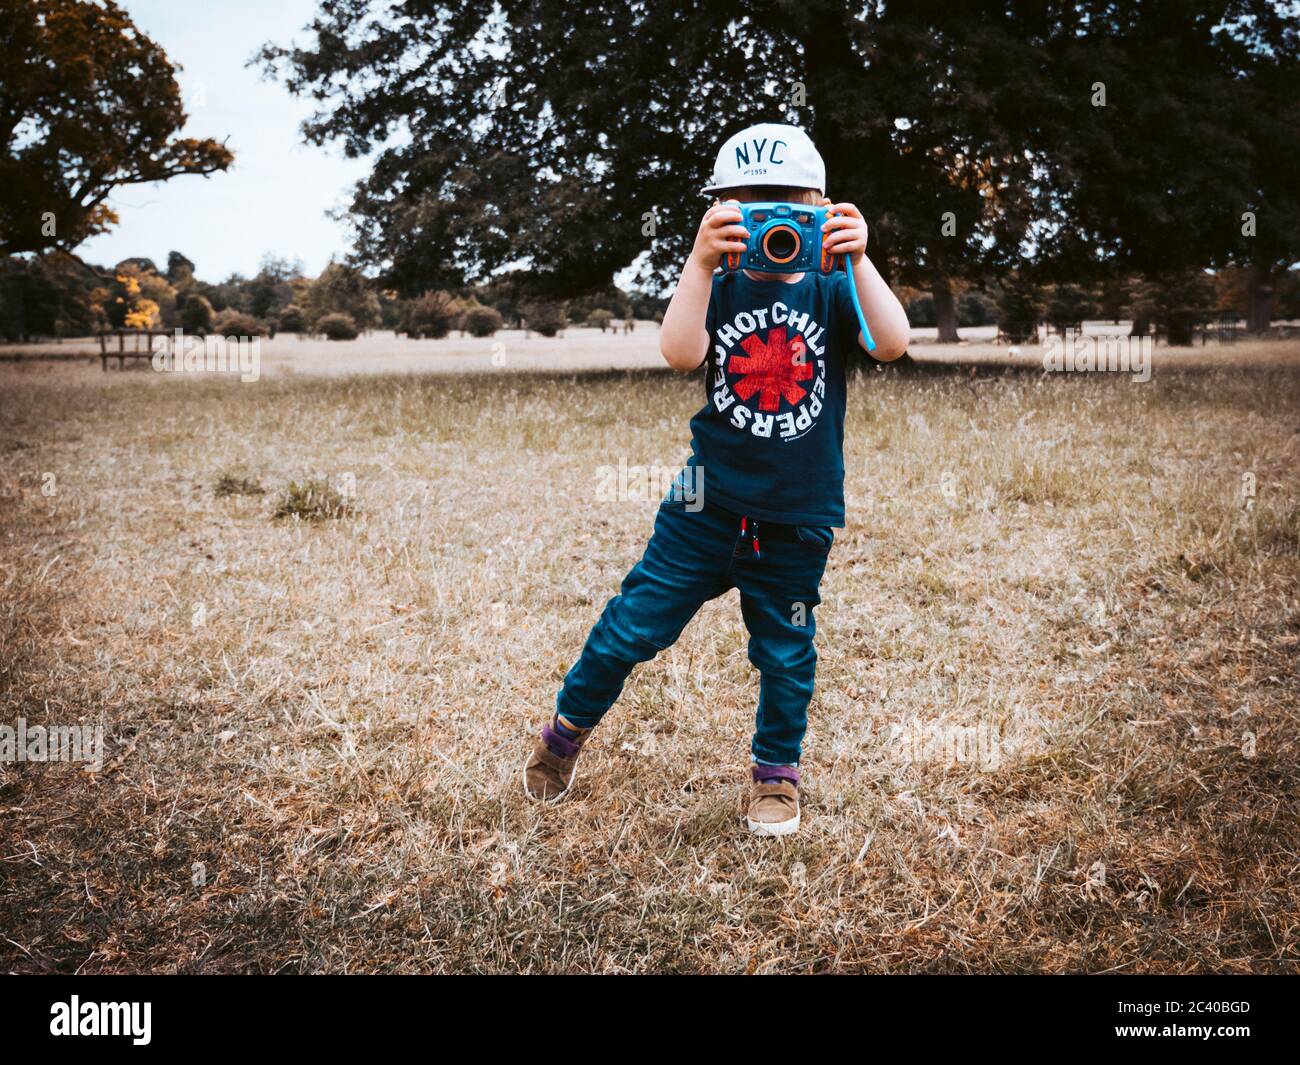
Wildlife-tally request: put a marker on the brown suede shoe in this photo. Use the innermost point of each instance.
(774, 801)
(549, 771)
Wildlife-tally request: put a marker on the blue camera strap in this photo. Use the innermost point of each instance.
(857, 306)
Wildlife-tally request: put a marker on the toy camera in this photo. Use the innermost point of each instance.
(784, 238)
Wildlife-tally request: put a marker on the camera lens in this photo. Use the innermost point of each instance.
(781, 244)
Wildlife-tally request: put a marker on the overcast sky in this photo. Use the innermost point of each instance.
(275, 195)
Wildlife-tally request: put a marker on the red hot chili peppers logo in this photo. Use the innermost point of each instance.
(772, 384)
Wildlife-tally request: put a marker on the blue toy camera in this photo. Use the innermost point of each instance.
(784, 238)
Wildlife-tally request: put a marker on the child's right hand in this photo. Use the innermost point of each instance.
(720, 232)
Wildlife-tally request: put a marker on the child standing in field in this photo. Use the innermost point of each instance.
(757, 504)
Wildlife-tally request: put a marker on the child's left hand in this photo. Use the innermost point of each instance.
(846, 234)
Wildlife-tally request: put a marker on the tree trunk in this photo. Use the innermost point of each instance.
(1259, 297)
(945, 310)
(1181, 328)
(1141, 326)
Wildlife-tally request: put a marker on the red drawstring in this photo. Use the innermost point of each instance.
(753, 539)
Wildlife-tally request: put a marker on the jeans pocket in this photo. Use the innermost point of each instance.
(817, 538)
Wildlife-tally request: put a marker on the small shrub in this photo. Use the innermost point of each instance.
(545, 317)
(233, 323)
(314, 499)
(482, 321)
(429, 316)
(292, 319)
(458, 308)
(338, 327)
(235, 483)
(599, 319)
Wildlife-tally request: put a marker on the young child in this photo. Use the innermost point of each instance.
(756, 506)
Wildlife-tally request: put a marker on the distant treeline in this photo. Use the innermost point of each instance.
(57, 295)
(1172, 310)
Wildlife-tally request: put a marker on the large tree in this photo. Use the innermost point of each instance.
(931, 110)
(88, 104)
(543, 134)
(1165, 128)
(1261, 43)
(575, 138)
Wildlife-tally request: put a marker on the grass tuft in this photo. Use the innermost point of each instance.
(314, 499)
(236, 483)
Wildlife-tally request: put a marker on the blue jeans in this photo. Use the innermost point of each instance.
(692, 557)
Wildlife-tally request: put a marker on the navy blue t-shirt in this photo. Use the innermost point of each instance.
(770, 438)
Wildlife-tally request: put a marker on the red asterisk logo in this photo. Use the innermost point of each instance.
(772, 368)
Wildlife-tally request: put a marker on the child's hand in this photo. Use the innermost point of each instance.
(846, 234)
(720, 232)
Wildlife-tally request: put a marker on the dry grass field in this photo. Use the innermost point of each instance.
(512, 351)
(1055, 727)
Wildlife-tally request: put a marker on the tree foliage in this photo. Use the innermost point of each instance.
(601, 111)
(46, 296)
(88, 104)
(195, 314)
(342, 289)
(573, 138)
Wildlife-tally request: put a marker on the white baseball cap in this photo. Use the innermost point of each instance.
(768, 154)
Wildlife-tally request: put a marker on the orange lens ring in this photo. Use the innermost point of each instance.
(798, 243)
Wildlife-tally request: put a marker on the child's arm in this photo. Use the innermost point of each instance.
(847, 234)
(683, 340)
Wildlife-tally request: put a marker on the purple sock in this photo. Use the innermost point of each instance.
(764, 774)
(565, 731)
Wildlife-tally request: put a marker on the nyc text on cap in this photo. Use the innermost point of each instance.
(768, 154)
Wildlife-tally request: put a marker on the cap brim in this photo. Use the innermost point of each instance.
(718, 188)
